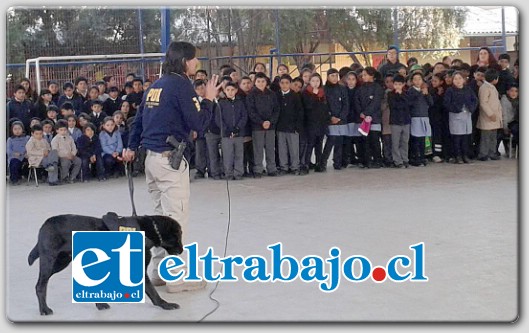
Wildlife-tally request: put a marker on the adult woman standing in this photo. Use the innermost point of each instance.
(170, 107)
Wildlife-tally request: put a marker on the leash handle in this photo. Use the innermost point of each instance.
(128, 171)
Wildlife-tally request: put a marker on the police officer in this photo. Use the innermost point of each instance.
(170, 107)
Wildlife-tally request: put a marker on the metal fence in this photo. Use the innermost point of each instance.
(148, 66)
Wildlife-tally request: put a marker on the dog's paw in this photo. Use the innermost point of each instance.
(169, 306)
(46, 311)
(102, 306)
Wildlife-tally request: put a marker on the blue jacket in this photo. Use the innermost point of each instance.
(21, 110)
(354, 113)
(16, 144)
(262, 106)
(338, 101)
(369, 101)
(234, 117)
(75, 134)
(420, 103)
(455, 99)
(290, 112)
(76, 101)
(399, 109)
(169, 107)
(110, 143)
(87, 147)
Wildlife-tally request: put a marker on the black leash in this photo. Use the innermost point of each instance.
(217, 303)
(128, 172)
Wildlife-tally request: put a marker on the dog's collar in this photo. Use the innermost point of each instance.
(157, 231)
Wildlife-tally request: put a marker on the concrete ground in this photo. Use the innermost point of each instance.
(465, 214)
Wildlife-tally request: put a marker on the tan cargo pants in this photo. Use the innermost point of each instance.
(169, 190)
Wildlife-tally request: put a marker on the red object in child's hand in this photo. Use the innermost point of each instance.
(364, 128)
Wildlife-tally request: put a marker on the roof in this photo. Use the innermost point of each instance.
(487, 21)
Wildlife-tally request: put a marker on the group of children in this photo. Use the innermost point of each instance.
(76, 136)
(371, 118)
(364, 118)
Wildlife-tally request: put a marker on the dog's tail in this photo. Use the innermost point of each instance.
(33, 255)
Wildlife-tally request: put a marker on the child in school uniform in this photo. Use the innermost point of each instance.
(282, 69)
(263, 110)
(245, 86)
(48, 130)
(460, 102)
(369, 101)
(52, 114)
(420, 102)
(63, 143)
(399, 120)
(317, 119)
(19, 107)
(73, 130)
(40, 154)
(136, 96)
(231, 119)
(112, 103)
(201, 148)
(93, 95)
(69, 96)
(354, 148)
(16, 151)
(490, 116)
(97, 115)
(111, 146)
(442, 146)
(90, 153)
(386, 128)
(510, 107)
(289, 125)
(337, 99)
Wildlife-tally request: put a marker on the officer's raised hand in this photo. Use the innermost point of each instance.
(212, 88)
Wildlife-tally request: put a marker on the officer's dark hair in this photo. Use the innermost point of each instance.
(491, 75)
(61, 124)
(177, 55)
(285, 77)
(35, 128)
(67, 85)
(199, 83)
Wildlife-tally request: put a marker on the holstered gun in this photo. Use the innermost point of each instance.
(177, 154)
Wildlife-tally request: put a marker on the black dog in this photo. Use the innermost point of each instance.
(54, 247)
